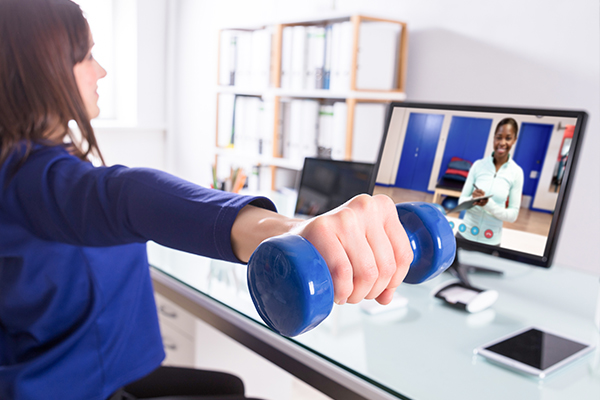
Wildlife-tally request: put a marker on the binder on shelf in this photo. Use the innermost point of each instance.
(346, 55)
(325, 135)
(251, 145)
(283, 129)
(286, 57)
(227, 62)
(243, 68)
(265, 178)
(260, 72)
(316, 57)
(253, 179)
(239, 123)
(266, 127)
(298, 57)
(327, 56)
(369, 119)
(294, 135)
(225, 120)
(377, 55)
(309, 123)
(245, 58)
(334, 67)
(299, 126)
(286, 180)
(341, 59)
(249, 126)
(310, 71)
(338, 144)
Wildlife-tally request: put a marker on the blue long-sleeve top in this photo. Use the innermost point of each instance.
(77, 312)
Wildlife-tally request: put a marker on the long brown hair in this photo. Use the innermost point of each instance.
(40, 43)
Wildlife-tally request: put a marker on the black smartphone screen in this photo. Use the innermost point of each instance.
(536, 348)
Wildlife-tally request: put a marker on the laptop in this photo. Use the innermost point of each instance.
(326, 184)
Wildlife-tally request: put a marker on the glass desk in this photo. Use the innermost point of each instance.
(421, 351)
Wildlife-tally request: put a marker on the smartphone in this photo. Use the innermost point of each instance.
(534, 351)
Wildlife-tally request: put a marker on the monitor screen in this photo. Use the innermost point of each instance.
(326, 184)
(519, 161)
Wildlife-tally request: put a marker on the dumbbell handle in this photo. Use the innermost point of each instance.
(291, 286)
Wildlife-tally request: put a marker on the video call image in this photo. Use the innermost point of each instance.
(495, 176)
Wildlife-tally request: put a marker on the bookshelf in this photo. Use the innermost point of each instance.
(324, 73)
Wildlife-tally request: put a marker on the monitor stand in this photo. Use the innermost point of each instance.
(463, 294)
(461, 271)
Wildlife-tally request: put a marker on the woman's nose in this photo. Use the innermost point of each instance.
(100, 70)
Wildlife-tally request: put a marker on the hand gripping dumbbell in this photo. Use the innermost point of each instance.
(291, 286)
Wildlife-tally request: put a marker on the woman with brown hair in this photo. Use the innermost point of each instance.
(77, 313)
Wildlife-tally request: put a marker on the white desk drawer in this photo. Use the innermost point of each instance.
(173, 315)
(179, 349)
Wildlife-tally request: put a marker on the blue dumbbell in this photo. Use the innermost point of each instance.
(291, 286)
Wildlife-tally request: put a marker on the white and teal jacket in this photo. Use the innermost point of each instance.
(484, 224)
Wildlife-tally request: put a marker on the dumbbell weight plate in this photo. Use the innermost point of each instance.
(290, 284)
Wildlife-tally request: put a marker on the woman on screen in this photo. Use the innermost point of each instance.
(499, 176)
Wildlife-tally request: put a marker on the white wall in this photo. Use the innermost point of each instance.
(138, 138)
(537, 53)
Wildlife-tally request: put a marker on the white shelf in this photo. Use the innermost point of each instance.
(315, 93)
(241, 90)
(274, 110)
(323, 17)
(295, 165)
(351, 94)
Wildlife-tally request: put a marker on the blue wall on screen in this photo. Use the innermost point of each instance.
(418, 152)
(530, 152)
(467, 139)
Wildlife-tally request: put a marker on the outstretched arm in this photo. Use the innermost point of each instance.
(57, 197)
(362, 242)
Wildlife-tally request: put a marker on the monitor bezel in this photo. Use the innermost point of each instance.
(563, 195)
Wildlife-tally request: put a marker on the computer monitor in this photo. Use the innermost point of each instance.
(326, 184)
(442, 153)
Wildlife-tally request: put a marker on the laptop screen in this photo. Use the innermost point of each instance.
(326, 184)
